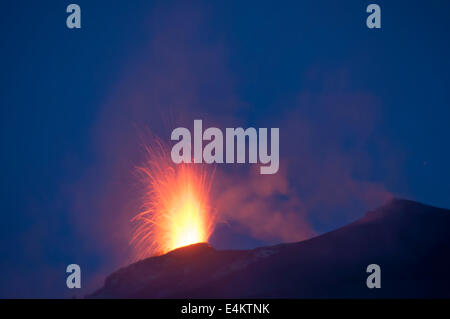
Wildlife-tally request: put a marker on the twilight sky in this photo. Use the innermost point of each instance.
(363, 116)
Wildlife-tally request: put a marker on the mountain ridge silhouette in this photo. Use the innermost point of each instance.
(408, 240)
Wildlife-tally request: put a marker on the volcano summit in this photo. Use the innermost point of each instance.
(410, 242)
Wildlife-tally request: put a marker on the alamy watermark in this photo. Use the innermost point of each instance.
(257, 147)
(74, 278)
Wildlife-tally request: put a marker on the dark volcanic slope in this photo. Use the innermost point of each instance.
(410, 241)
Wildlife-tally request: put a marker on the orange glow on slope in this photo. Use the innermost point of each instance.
(175, 210)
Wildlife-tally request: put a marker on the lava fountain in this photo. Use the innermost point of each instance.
(176, 209)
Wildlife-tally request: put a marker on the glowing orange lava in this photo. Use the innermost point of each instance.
(175, 210)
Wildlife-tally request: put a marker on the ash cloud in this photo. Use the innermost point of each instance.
(178, 75)
(267, 207)
(333, 132)
(181, 74)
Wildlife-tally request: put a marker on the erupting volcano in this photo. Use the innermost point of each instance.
(408, 240)
(175, 206)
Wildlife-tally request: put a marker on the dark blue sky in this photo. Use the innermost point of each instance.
(372, 103)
